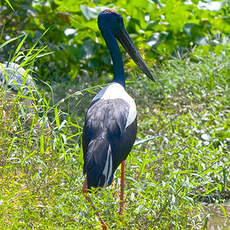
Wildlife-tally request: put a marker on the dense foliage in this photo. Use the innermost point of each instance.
(161, 29)
(177, 175)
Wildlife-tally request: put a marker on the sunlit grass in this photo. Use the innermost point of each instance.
(177, 171)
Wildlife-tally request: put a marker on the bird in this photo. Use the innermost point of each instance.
(16, 82)
(15, 78)
(110, 126)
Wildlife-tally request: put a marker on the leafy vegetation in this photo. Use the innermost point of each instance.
(161, 29)
(177, 175)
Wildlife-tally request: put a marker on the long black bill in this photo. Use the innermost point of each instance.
(127, 43)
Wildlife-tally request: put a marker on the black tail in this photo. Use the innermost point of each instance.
(99, 163)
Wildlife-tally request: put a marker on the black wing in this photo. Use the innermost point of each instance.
(105, 135)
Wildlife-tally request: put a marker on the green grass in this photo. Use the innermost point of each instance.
(177, 175)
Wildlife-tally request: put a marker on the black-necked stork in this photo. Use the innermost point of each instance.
(111, 120)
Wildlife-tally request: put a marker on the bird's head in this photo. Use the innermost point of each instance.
(112, 22)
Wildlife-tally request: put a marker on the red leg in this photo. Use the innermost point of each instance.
(85, 191)
(122, 188)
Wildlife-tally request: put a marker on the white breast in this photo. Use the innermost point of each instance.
(114, 91)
